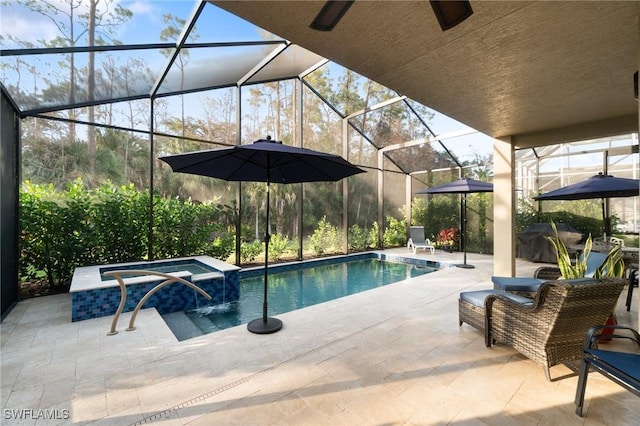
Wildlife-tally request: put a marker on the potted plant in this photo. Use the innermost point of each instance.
(447, 238)
(613, 265)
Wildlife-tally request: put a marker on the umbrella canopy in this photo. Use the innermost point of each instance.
(264, 161)
(598, 186)
(462, 186)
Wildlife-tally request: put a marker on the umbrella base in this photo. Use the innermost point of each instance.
(464, 266)
(259, 326)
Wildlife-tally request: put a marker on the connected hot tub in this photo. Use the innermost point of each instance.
(95, 295)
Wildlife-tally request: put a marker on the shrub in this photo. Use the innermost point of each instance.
(221, 247)
(326, 238)
(61, 230)
(57, 232)
(442, 213)
(249, 251)
(395, 234)
(278, 245)
(127, 208)
(358, 238)
(419, 212)
(374, 236)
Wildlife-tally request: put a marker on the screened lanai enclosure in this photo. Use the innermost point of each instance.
(103, 94)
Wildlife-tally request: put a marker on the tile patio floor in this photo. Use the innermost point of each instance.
(394, 355)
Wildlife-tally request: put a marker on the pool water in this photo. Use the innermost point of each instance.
(295, 289)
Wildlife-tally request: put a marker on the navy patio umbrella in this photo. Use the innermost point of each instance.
(264, 161)
(461, 186)
(599, 186)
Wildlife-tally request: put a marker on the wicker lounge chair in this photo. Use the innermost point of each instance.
(551, 330)
(417, 240)
(471, 306)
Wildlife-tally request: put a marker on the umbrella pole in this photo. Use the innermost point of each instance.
(267, 237)
(605, 221)
(265, 325)
(464, 264)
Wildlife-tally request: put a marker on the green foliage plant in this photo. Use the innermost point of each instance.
(249, 251)
(442, 213)
(374, 239)
(569, 268)
(129, 209)
(395, 233)
(613, 265)
(326, 238)
(279, 245)
(358, 238)
(419, 211)
(64, 229)
(221, 247)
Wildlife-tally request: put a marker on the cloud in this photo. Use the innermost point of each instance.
(140, 7)
(25, 25)
(146, 16)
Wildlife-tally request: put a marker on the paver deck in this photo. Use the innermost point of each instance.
(394, 355)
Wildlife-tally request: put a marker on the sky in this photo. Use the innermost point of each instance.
(144, 27)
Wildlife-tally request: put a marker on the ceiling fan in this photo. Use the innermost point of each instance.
(449, 13)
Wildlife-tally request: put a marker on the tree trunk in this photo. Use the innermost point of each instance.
(91, 83)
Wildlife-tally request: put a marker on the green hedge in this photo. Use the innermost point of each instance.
(64, 229)
(61, 230)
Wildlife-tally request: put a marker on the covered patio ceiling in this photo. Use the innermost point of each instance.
(531, 72)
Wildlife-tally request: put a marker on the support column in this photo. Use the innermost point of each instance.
(637, 293)
(345, 188)
(152, 150)
(408, 199)
(298, 142)
(381, 223)
(504, 209)
(238, 215)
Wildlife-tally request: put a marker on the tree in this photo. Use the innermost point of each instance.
(171, 33)
(74, 20)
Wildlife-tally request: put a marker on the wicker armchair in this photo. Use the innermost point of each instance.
(551, 330)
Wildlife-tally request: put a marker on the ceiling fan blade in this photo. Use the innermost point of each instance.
(330, 15)
(451, 12)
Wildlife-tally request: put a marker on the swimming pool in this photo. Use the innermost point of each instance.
(294, 289)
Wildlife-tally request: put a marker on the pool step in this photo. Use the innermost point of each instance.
(202, 323)
(181, 326)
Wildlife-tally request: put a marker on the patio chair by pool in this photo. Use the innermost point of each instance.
(525, 286)
(621, 367)
(605, 245)
(551, 330)
(417, 240)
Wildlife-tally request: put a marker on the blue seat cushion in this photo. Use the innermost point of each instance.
(517, 283)
(628, 363)
(477, 297)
